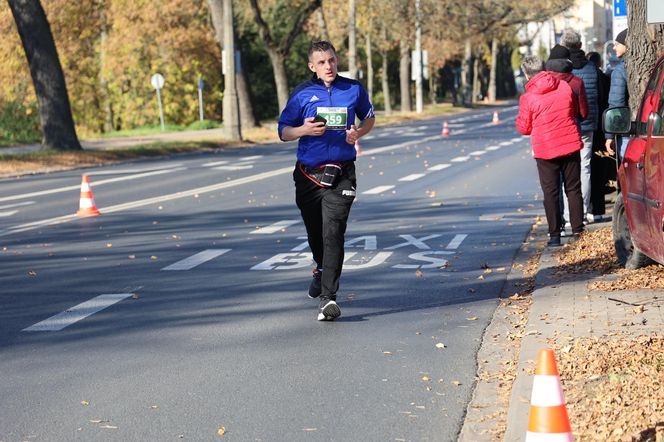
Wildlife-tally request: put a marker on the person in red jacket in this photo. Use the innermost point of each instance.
(547, 112)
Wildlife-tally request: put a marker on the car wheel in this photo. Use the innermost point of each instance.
(628, 255)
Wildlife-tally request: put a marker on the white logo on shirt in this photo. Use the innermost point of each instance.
(314, 98)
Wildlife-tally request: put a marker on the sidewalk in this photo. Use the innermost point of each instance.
(124, 142)
(562, 311)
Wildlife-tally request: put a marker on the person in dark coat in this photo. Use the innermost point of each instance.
(587, 72)
(618, 94)
(602, 166)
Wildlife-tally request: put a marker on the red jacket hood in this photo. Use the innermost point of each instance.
(542, 83)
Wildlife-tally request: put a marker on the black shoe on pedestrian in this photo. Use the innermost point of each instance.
(315, 286)
(554, 241)
(329, 310)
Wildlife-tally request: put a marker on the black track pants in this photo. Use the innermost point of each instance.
(549, 175)
(325, 213)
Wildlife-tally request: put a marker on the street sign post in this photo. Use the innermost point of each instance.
(201, 85)
(619, 16)
(157, 82)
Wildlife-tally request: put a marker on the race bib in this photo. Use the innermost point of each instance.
(336, 117)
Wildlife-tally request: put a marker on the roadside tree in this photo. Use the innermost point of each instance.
(57, 124)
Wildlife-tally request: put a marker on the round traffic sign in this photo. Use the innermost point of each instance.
(157, 81)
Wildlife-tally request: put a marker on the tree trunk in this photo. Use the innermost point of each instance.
(644, 44)
(404, 76)
(386, 85)
(280, 77)
(247, 116)
(492, 73)
(352, 41)
(322, 24)
(230, 103)
(278, 51)
(467, 75)
(58, 130)
(370, 71)
(476, 79)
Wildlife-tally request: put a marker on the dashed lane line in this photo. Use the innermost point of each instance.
(276, 227)
(95, 185)
(145, 202)
(460, 159)
(77, 313)
(456, 242)
(196, 260)
(412, 177)
(438, 167)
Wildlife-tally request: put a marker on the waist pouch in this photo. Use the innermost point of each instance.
(325, 175)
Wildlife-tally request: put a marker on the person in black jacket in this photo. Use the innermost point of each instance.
(603, 166)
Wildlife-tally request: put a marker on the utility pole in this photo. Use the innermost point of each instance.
(418, 49)
(230, 103)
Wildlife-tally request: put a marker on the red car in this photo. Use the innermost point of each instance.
(638, 213)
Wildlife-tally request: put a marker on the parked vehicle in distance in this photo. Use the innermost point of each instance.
(638, 213)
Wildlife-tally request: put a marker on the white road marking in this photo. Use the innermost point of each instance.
(11, 206)
(145, 202)
(492, 148)
(94, 184)
(368, 137)
(456, 242)
(517, 139)
(275, 227)
(477, 153)
(439, 167)
(196, 260)
(215, 163)
(8, 213)
(77, 313)
(505, 143)
(377, 190)
(422, 127)
(412, 177)
(251, 158)
(459, 159)
(236, 167)
(126, 171)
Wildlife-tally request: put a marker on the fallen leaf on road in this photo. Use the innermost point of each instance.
(457, 383)
(154, 258)
(387, 353)
(132, 257)
(109, 245)
(310, 429)
(440, 345)
(109, 427)
(472, 318)
(419, 274)
(85, 403)
(426, 378)
(32, 273)
(221, 431)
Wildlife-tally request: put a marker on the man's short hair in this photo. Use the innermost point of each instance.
(571, 39)
(532, 65)
(321, 46)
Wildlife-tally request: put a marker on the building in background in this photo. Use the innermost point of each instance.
(593, 19)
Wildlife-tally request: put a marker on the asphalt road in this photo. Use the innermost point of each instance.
(183, 308)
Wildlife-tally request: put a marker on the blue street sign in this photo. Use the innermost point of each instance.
(620, 8)
(201, 83)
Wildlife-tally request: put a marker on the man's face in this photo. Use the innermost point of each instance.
(324, 64)
(620, 49)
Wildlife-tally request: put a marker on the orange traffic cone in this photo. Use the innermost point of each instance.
(358, 151)
(446, 130)
(87, 205)
(548, 421)
(495, 119)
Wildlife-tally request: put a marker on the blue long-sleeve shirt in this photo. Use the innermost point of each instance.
(311, 98)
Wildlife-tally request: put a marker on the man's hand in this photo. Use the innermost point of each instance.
(610, 146)
(312, 128)
(352, 135)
